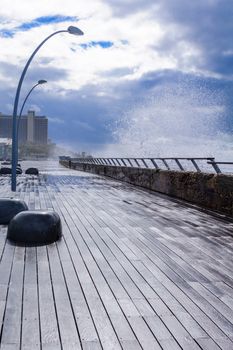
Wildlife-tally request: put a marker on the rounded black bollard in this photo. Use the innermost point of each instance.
(32, 171)
(9, 208)
(35, 228)
(5, 171)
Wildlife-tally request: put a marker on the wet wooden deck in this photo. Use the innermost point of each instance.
(134, 270)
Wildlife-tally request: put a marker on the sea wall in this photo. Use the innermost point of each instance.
(212, 191)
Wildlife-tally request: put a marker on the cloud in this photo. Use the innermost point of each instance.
(198, 33)
(51, 74)
(33, 107)
(83, 125)
(213, 34)
(25, 10)
(56, 120)
(125, 7)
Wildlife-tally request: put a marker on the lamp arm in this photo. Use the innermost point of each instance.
(19, 118)
(25, 100)
(21, 110)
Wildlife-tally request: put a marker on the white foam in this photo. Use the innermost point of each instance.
(180, 120)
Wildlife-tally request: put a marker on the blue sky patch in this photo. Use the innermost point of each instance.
(45, 20)
(37, 22)
(5, 33)
(103, 44)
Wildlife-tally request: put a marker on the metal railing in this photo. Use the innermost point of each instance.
(216, 167)
(176, 163)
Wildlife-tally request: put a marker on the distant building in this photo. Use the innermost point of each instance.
(32, 128)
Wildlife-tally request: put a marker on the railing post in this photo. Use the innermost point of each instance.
(130, 162)
(215, 166)
(165, 163)
(144, 162)
(179, 164)
(118, 162)
(122, 159)
(195, 164)
(154, 163)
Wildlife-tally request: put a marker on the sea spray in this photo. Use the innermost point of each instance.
(176, 120)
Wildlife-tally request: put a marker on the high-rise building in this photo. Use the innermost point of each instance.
(32, 128)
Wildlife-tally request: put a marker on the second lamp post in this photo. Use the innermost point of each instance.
(40, 82)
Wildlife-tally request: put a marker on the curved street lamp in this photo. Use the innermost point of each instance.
(71, 30)
(40, 82)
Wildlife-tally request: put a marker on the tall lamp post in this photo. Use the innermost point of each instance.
(71, 30)
(40, 82)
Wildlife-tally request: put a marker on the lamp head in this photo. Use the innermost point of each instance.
(74, 30)
(42, 81)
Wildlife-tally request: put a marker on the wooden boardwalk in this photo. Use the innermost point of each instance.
(134, 270)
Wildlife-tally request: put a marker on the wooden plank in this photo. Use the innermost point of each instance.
(179, 333)
(49, 327)
(81, 311)
(5, 275)
(67, 324)
(10, 347)
(222, 291)
(213, 300)
(207, 344)
(11, 329)
(30, 313)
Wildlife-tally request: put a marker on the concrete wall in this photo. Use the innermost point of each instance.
(211, 191)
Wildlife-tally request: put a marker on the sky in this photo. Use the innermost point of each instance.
(142, 68)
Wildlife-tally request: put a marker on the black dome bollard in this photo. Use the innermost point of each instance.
(32, 171)
(5, 171)
(35, 228)
(9, 208)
